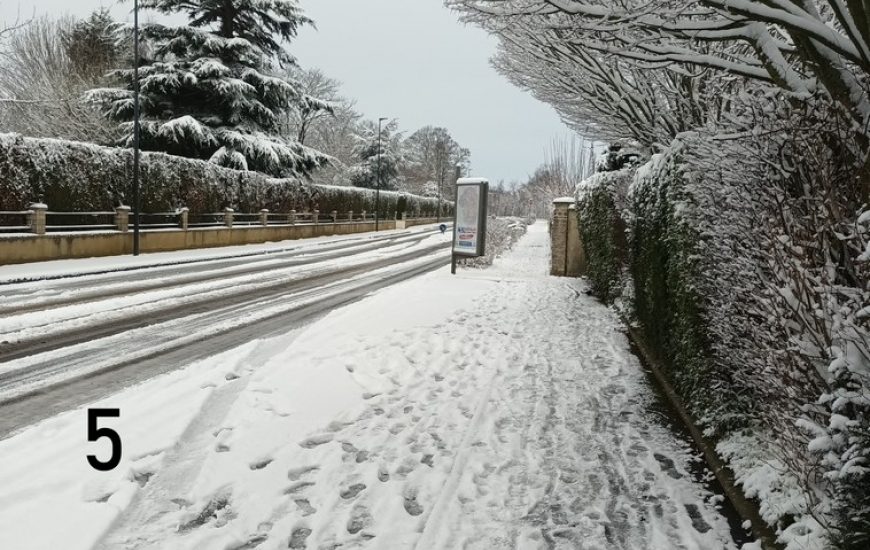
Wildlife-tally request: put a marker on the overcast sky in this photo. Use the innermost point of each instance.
(411, 60)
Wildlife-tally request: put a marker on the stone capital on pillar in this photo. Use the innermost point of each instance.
(122, 218)
(36, 217)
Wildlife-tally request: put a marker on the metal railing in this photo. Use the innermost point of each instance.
(39, 220)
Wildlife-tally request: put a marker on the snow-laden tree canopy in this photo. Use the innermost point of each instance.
(379, 159)
(795, 45)
(206, 88)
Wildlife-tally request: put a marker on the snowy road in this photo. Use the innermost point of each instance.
(499, 408)
(58, 330)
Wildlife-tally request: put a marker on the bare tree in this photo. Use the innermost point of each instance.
(319, 97)
(796, 46)
(432, 156)
(45, 69)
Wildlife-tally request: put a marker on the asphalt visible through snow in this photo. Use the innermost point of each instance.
(71, 340)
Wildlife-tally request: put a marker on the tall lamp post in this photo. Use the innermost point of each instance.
(136, 201)
(440, 149)
(378, 180)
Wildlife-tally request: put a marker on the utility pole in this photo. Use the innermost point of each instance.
(136, 200)
(378, 180)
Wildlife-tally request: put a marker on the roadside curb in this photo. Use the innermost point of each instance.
(748, 509)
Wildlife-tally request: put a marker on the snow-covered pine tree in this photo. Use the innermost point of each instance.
(205, 88)
(365, 173)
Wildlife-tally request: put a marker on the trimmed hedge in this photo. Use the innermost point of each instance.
(644, 254)
(80, 177)
(602, 232)
(664, 264)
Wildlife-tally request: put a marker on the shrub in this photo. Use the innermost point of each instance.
(602, 231)
(73, 176)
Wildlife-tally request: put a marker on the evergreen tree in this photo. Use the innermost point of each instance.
(365, 173)
(205, 88)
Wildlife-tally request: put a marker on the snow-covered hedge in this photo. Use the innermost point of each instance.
(750, 283)
(73, 176)
(666, 264)
(600, 203)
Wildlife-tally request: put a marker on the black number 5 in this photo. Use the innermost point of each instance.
(95, 433)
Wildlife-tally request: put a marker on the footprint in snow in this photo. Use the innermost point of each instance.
(360, 518)
(216, 510)
(352, 491)
(408, 466)
(260, 464)
(142, 478)
(295, 474)
(396, 428)
(698, 522)
(298, 487)
(305, 507)
(316, 441)
(298, 537)
(668, 465)
(411, 505)
(383, 474)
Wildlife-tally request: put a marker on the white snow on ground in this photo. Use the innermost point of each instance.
(764, 477)
(498, 408)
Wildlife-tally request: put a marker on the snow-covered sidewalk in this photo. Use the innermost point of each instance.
(499, 408)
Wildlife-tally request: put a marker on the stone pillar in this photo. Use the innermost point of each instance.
(183, 217)
(314, 216)
(350, 216)
(36, 217)
(264, 216)
(122, 218)
(228, 217)
(363, 215)
(559, 236)
(291, 217)
(334, 217)
(576, 256)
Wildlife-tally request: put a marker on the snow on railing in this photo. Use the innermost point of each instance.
(37, 216)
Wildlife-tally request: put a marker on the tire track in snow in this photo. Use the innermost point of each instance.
(519, 425)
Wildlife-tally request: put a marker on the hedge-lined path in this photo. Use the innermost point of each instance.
(521, 421)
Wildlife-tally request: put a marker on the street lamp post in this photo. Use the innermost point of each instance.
(136, 199)
(439, 148)
(378, 180)
(440, 184)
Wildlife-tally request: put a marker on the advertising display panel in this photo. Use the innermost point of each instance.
(469, 227)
